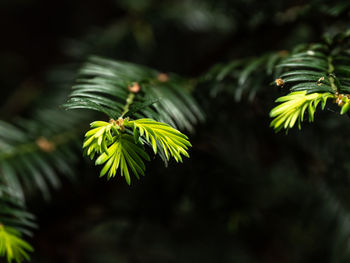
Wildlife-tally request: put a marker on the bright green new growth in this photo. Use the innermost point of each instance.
(345, 100)
(313, 74)
(119, 150)
(12, 246)
(98, 138)
(294, 106)
(170, 140)
(123, 153)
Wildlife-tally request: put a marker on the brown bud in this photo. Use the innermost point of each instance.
(279, 82)
(134, 87)
(45, 145)
(283, 53)
(339, 100)
(162, 77)
(119, 122)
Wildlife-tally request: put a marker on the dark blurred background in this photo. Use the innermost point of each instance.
(245, 195)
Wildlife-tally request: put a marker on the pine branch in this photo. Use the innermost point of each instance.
(121, 89)
(119, 150)
(12, 246)
(312, 74)
(33, 150)
(14, 222)
(244, 76)
(293, 108)
(104, 85)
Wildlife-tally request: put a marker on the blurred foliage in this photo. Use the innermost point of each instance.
(246, 194)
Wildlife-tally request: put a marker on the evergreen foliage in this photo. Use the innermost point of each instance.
(145, 93)
(12, 246)
(34, 149)
(121, 150)
(123, 153)
(105, 85)
(141, 111)
(33, 153)
(15, 221)
(242, 77)
(161, 135)
(313, 73)
(293, 108)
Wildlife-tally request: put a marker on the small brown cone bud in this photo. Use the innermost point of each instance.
(134, 87)
(162, 77)
(45, 145)
(120, 122)
(279, 82)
